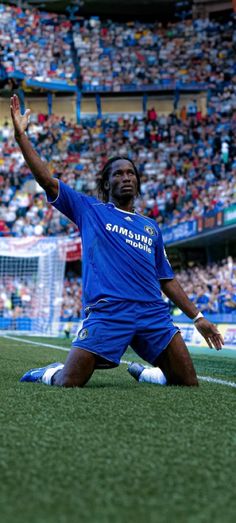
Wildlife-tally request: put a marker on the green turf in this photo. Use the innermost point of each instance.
(115, 451)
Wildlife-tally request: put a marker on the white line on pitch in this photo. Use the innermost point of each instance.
(217, 380)
(58, 347)
(37, 343)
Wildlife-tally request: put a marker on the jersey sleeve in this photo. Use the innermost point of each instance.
(70, 203)
(163, 266)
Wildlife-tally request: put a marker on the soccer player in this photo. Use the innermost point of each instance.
(125, 270)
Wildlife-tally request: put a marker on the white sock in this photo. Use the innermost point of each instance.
(49, 373)
(152, 375)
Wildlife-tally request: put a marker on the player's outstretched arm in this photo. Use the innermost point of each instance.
(38, 168)
(175, 293)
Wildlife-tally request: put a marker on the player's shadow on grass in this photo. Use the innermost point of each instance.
(103, 385)
(111, 382)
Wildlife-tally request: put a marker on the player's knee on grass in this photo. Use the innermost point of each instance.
(68, 381)
(78, 369)
(176, 363)
(192, 381)
(187, 380)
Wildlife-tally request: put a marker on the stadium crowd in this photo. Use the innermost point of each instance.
(135, 54)
(18, 298)
(111, 55)
(211, 288)
(36, 43)
(71, 304)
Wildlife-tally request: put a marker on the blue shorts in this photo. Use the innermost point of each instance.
(111, 326)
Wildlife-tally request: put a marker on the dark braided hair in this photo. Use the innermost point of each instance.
(104, 174)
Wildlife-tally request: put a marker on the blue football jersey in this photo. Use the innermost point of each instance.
(123, 253)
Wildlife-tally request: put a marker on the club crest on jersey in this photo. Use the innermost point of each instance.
(149, 230)
(83, 334)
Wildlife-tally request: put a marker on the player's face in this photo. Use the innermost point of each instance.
(123, 183)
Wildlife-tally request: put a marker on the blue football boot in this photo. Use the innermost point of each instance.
(135, 369)
(35, 375)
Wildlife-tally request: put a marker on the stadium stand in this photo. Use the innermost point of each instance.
(36, 44)
(113, 55)
(17, 296)
(212, 288)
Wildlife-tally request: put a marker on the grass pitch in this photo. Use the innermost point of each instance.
(115, 451)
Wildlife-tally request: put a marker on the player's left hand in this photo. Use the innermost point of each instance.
(210, 333)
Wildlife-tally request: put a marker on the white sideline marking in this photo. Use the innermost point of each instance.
(216, 380)
(58, 347)
(37, 343)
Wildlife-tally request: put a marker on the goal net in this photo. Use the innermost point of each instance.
(31, 284)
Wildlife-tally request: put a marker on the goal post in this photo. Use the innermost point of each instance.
(31, 284)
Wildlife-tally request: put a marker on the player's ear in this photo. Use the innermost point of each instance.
(106, 186)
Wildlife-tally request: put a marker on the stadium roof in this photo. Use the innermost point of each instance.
(159, 9)
(149, 10)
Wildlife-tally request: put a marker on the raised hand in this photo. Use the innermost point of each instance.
(210, 333)
(20, 121)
